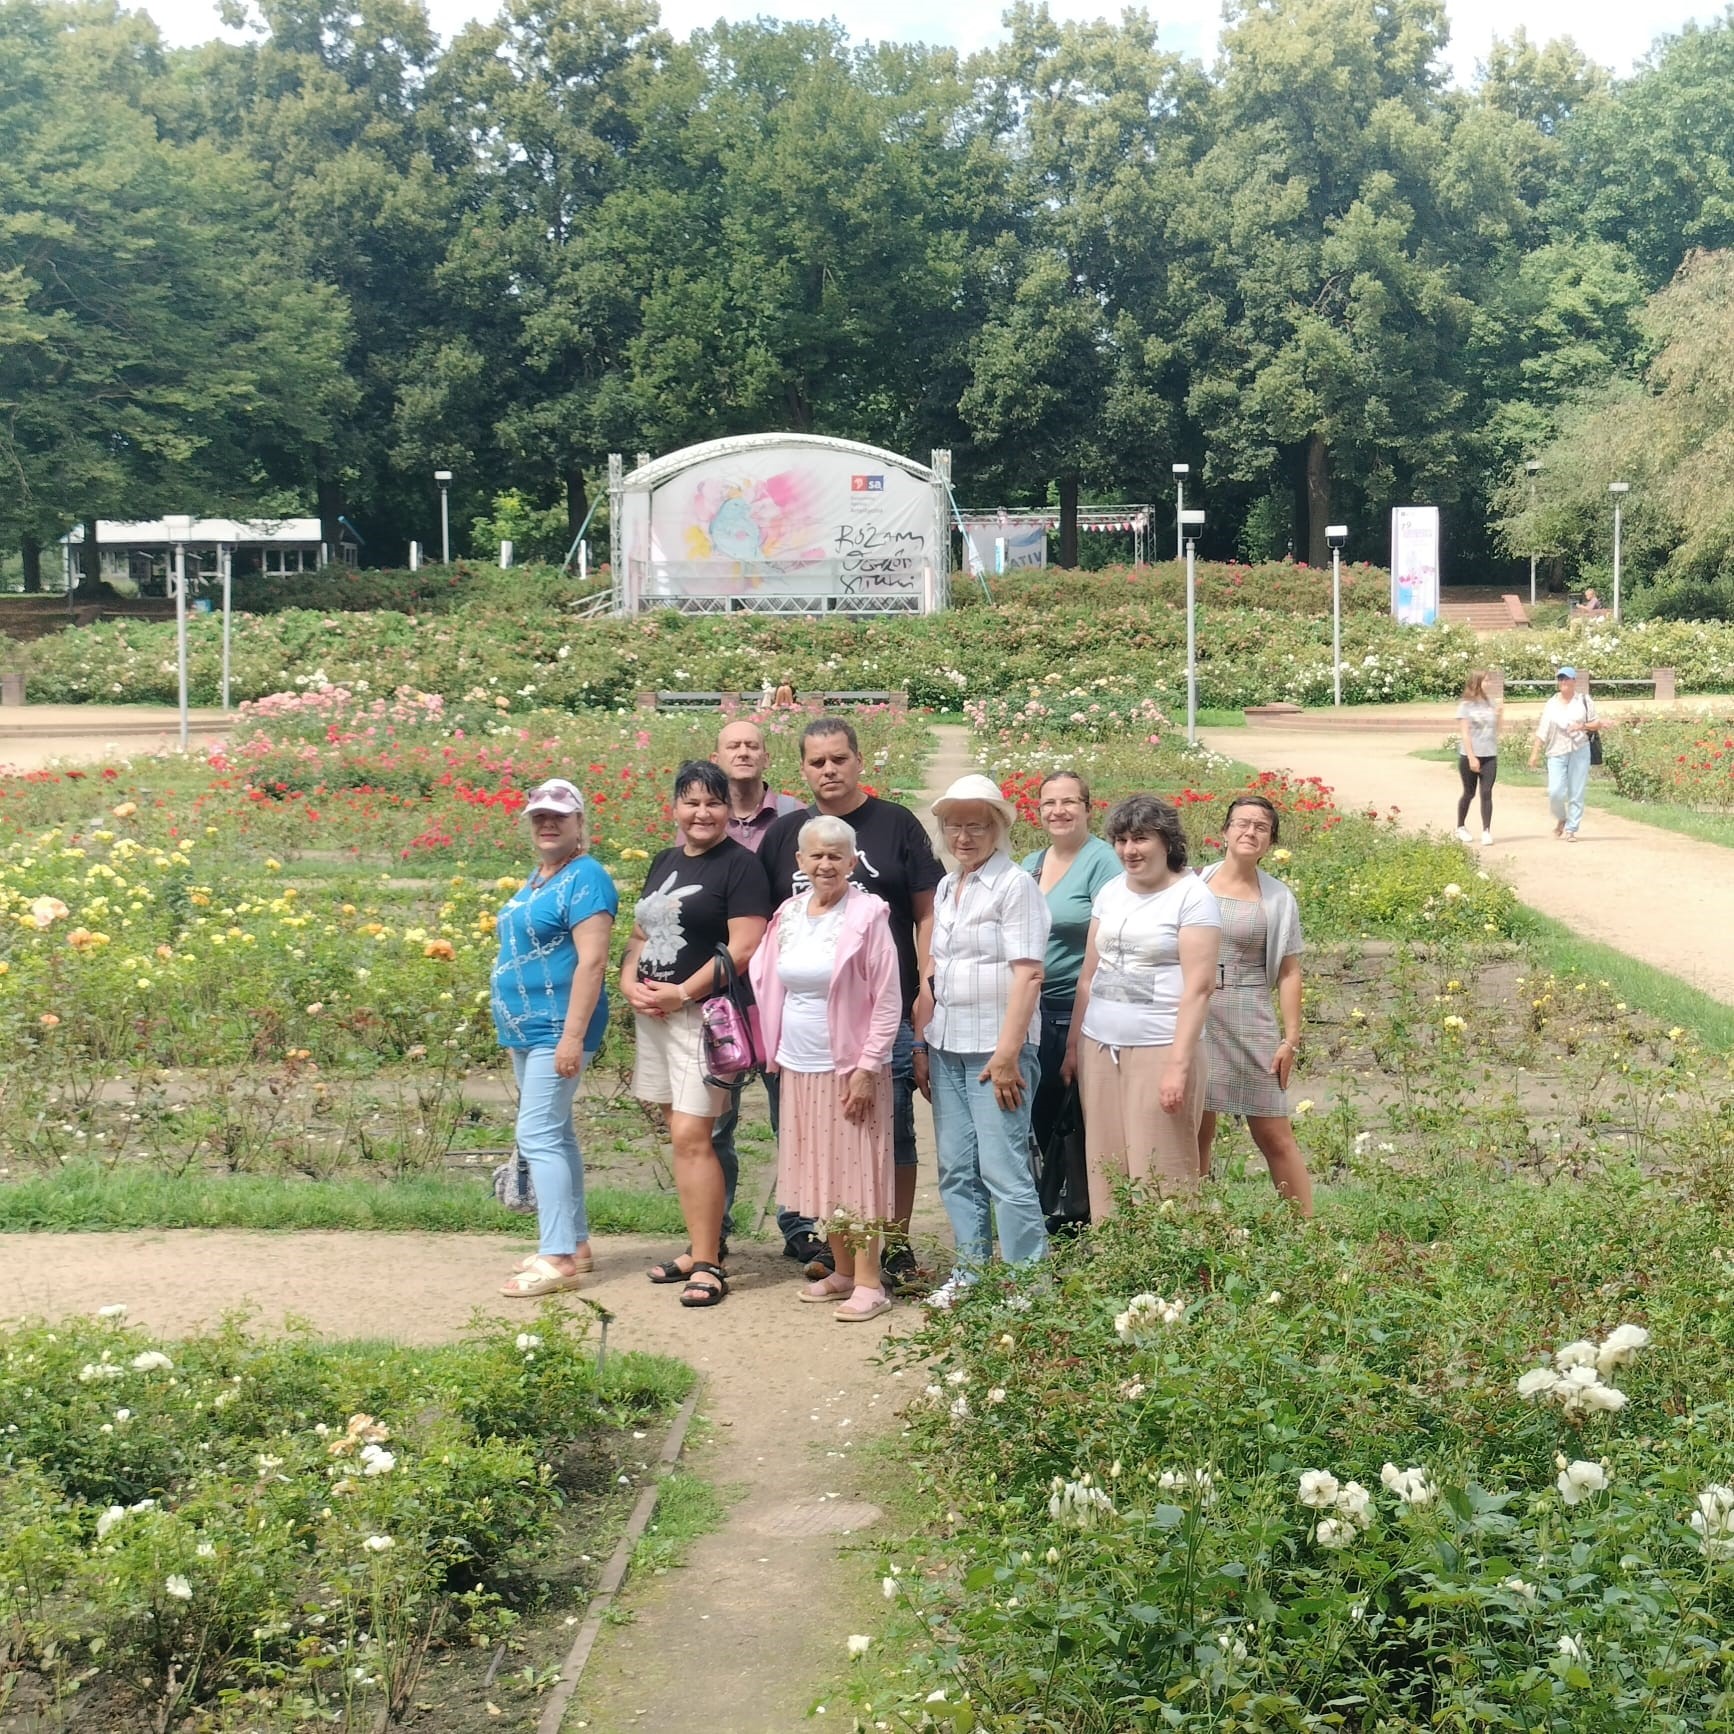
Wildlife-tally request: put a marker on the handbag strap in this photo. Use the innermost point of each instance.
(725, 976)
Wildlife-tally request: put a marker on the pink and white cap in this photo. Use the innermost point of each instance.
(555, 796)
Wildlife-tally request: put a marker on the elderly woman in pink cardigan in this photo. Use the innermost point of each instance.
(830, 1001)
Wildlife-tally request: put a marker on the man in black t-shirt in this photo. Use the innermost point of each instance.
(895, 861)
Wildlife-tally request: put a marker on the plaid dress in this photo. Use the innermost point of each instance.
(1240, 1034)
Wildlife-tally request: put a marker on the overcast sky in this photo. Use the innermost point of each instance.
(1609, 31)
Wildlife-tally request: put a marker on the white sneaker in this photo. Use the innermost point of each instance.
(945, 1297)
(1462, 833)
(1486, 838)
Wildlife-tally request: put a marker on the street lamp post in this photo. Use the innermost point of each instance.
(180, 530)
(1190, 524)
(226, 555)
(1336, 535)
(1619, 490)
(1181, 472)
(444, 478)
(1533, 466)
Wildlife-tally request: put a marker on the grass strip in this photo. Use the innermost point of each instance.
(1641, 985)
(1664, 815)
(88, 1197)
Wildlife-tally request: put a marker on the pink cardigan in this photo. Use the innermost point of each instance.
(865, 1002)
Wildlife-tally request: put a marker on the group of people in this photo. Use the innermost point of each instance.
(1564, 732)
(1100, 981)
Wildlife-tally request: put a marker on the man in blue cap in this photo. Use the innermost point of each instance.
(1568, 719)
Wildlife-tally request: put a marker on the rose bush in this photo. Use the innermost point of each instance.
(278, 1532)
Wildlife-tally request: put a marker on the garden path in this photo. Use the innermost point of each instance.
(35, 735)
(742, 1639)
(1663, 898)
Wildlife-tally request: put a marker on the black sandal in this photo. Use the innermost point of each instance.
(669, 1270)
(701, 1294)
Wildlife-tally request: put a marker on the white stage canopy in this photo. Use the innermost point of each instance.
(781, 524)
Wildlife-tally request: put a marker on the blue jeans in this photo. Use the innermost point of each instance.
(792, 1222)
(1567, 778)
(548, 1141)
(722, 1139)
(984, 1159)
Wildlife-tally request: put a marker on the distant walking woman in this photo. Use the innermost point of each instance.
(1261, 947)
(1478, 723)
(550, 1012)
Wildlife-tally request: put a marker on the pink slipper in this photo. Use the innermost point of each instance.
(863, 1304)
(827, 1289)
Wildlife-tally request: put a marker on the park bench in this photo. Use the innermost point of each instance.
(813, 702)
(1663, 683)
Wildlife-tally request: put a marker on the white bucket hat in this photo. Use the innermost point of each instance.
(975, 787)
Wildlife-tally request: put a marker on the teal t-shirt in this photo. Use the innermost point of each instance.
(532, 981)
(1069, 905)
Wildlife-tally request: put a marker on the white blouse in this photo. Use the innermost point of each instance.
(806, 961)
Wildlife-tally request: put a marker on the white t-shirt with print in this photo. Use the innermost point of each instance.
(1561, 729)
(1135, 994)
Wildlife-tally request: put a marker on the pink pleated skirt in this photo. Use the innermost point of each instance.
(823, 1160)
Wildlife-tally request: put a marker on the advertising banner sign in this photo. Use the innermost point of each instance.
(803, 522)
(1026, 543)
(1415, 565)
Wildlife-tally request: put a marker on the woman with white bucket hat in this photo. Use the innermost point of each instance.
(990, 935)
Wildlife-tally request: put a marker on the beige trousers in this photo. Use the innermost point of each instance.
(1125, 1130)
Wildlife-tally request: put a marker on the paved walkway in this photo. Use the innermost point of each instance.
(1665, 899)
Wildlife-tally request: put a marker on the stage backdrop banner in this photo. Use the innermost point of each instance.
(1415, 565)
(793, 521)
(1026, 543)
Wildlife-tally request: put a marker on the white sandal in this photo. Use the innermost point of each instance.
(539, 1277)
(849, 1313)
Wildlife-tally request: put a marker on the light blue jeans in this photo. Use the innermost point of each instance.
(984, 1160)
(1567, 778)
(548, 1141)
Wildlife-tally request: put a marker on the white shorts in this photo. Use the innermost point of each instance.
(669, 1066)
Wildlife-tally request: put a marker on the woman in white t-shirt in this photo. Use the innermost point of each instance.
(1568, 719)
(1143, 994)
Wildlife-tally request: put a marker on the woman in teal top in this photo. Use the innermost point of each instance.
(1070, 870)
(550, 1013)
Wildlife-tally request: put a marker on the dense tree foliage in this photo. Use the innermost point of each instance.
(315, 265)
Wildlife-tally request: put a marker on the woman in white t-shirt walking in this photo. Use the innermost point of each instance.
(1143, 994)
(1568, 719)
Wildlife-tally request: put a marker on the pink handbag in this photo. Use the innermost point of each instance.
(734, 1048)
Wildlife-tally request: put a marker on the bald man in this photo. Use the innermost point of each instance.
(753, 808)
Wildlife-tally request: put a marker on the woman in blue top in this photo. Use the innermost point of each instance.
(1072, 868)
(550, 1012)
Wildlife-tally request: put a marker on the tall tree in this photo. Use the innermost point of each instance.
(150, 354)
(1073, 377)
(1323, 321)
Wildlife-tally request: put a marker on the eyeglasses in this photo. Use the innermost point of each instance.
(1258, 827)
(968, 827)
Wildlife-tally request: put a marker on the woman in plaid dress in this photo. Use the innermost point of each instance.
(1261, 947)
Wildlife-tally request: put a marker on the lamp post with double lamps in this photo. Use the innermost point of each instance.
(1336, 535)
(444, 478)
(1181, 472)
(1619, 490)
(1190, 524)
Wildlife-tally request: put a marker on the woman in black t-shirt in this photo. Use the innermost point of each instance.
(705, 892)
